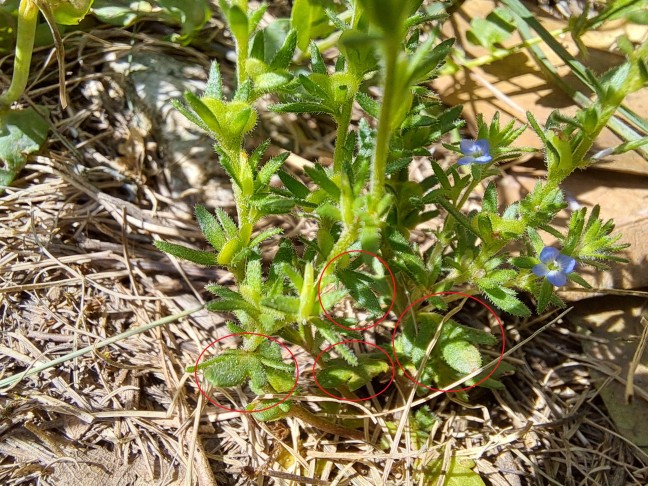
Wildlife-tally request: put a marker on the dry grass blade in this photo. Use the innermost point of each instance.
(636, 359)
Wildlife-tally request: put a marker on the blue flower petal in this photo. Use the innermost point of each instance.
(548, 254)
(557, 278)
(484, 159)
(483, 145)
(467, 146)
(468, 159)
(566, 263)
(540, 269)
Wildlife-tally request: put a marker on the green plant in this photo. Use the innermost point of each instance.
(365, 203)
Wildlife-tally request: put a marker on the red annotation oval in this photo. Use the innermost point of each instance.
(400, 318)
(391, 363)
(319, 290)
(213, 402)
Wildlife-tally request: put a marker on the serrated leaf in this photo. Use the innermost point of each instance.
(284, 56)
(317, 61)
(255, 17)
(397, 165)
(252, 285)
(231, 305)
(272, 203)
(329, 299)
(196, 256)
(360, 290)
(314, 88)
(368, 104)
(462, 356)
(214, 87)
(489, 203)
(505, 299)
(203, 112)
(275, 410)
(524, 262)
(229, 251)
(360, 49)
(293, 275)
(544, 297)
(293, 185)
(441, 176)
(221, 291)
(270, 168)
(228, 370)
(281, 381)
(282, 303)
(319, 176)
(269, 82)
(191, 116)
(337, 373)
(227, 223)
(427, 59)
(536, 241)
(210, 227)
(493, 279)
(264, 235)
(574, 277)
(269, 350)
(332, 334)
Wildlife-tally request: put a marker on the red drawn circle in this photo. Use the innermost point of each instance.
(499, 361)
(319, 291)
(391, 379)
(213, 402)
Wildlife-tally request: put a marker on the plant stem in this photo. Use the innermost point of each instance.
(384, 126)
(242, 196)
(299, 412)
(343, 122)
(27, 19)
(241, 59)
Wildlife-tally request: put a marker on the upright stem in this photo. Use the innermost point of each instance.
(384, 126)
(241, 59)
(343, 122)
(243, 195)
(27, 19)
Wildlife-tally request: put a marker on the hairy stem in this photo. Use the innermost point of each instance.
(343, 122)
(383, 136)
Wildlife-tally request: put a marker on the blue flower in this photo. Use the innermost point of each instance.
(477, 151)
(555, 266)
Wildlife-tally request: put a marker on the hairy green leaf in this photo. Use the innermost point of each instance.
(196, 256)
